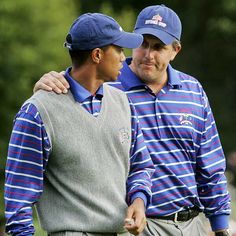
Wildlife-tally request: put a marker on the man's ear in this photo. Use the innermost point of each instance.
(96, 55)
(176, 50)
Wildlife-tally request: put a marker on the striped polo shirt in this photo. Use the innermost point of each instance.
(29, 150)
(180, 132)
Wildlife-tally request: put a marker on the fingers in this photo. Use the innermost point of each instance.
(129, 221)
(135, 220)
(60, 77)
(40, 85)
(56, 81)
(136, 226)
(130, 212)
(53, 81)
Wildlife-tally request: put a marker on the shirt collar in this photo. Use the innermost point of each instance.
(173, 77)
(131, 81)
(80, 93)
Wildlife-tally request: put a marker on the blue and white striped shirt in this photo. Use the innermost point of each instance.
(29, 150)
(180, 132)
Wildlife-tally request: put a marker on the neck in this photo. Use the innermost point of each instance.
(87, 77)
(158, 83)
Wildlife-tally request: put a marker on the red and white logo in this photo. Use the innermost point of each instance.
(156, 20)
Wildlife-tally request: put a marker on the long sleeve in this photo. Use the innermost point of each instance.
(141, 166)
(212, 183)
(28, 153)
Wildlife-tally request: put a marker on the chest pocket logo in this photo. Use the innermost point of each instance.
(186, 119)
(124, 135)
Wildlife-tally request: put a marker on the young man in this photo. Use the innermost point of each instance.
(178, 127)
(77, 155)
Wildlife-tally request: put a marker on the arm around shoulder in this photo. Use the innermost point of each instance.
(52, 81)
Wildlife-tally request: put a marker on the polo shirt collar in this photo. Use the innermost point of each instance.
(130, 80)
(80, 93)
(173, 77)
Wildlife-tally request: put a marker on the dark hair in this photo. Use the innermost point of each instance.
(79, 57)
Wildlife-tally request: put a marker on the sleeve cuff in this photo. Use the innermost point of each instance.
(139, 195)
(219, 222)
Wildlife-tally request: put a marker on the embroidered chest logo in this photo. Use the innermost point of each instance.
(186, 119)
(156, 20)
(124, 135)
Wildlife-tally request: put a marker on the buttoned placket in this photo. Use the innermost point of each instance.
(94, 106)
(156, 110)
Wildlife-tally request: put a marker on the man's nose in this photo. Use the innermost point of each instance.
(122, 56)
(149, 52)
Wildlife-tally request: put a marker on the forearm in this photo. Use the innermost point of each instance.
(211, 180)
(141, 166)
(139, 179)
(24, 171)
(22, 190)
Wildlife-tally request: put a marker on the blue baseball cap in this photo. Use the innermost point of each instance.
(159, 21)
(94, 30)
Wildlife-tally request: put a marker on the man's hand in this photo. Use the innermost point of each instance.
(135, 220)
(53, 81)
(224, 232)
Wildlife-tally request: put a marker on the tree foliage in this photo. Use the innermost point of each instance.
(31, 43)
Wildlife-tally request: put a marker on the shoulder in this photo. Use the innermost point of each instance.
(47, 98)
(41, 94)
(28, 113)
(189, 82)
(184, 77)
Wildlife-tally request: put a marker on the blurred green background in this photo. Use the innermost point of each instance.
(31, 43)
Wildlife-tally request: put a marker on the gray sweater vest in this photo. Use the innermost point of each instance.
(85, 178)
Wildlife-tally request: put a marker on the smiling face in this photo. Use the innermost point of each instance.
(111, 63)
(151, 59)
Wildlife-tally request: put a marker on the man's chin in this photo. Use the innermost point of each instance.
(113, 79)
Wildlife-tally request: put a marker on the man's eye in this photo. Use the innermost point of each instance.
(144, 45)
(158, 47)
(120, 50)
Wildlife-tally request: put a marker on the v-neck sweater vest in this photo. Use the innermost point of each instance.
(85, 178)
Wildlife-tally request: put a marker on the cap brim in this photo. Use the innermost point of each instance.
(162, 35)
(129, 40)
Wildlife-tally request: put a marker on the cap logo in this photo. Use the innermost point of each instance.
(156, 20)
